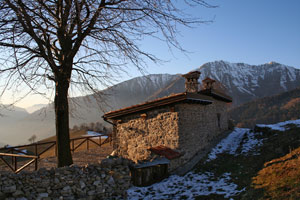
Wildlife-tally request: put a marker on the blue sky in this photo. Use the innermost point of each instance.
(249, 31)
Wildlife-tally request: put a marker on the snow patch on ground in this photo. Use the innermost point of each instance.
(24, 151)
(186, 187)
(229, 144)
(93, 133)
(250, 143)
(239, 137)
(281, 126)
(19, 151)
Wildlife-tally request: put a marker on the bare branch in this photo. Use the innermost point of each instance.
(59, 44)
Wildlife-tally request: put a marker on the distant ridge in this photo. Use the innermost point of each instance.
(2, 144)
(35, 107)
(268, 110)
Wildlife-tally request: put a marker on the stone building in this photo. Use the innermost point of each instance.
(188, 123)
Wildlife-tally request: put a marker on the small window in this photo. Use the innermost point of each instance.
(219, 119)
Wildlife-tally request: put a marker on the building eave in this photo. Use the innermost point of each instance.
(173, 99)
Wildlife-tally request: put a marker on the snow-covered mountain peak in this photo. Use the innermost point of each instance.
(254, 80)
(153, 81)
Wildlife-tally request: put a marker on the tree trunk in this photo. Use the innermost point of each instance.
(64, 157)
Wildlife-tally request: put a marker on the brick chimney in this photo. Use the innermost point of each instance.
(208, 83)
(191, 81)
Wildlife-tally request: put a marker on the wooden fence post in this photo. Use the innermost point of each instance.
(16, 167)
(36, 154)
(55, 149)
(73, 145)
(12, 159)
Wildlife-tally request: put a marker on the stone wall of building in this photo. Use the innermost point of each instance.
(186, 128)
(109, 180)
(139, 132)
(199, 126)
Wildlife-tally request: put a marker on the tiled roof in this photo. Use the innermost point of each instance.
(165, 151)
(180, 97)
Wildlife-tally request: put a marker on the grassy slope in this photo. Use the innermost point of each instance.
(73, 134)
(248, 171)
(280, 178)
(282, 107)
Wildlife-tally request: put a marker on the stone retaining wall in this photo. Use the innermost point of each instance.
(108, 180)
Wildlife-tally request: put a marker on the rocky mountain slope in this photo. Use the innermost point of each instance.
(243, 82)
(281, 107)
(247, 82)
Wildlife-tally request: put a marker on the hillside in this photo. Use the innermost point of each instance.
(279, 179)
(2, 144)
(248, 164)
(73, 134)
(268, 110)
(9, 117)
(8, 113)
(35, 107)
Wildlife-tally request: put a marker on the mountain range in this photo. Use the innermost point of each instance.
(243, 82)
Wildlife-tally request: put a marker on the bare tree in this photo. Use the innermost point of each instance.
(75, 128)
(99, 127)
(32, 139)
(56, 44)
(92, 126)
(83, 126)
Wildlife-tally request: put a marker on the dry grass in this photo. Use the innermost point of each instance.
(292, 103)
(73, 134)
(280, 178)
